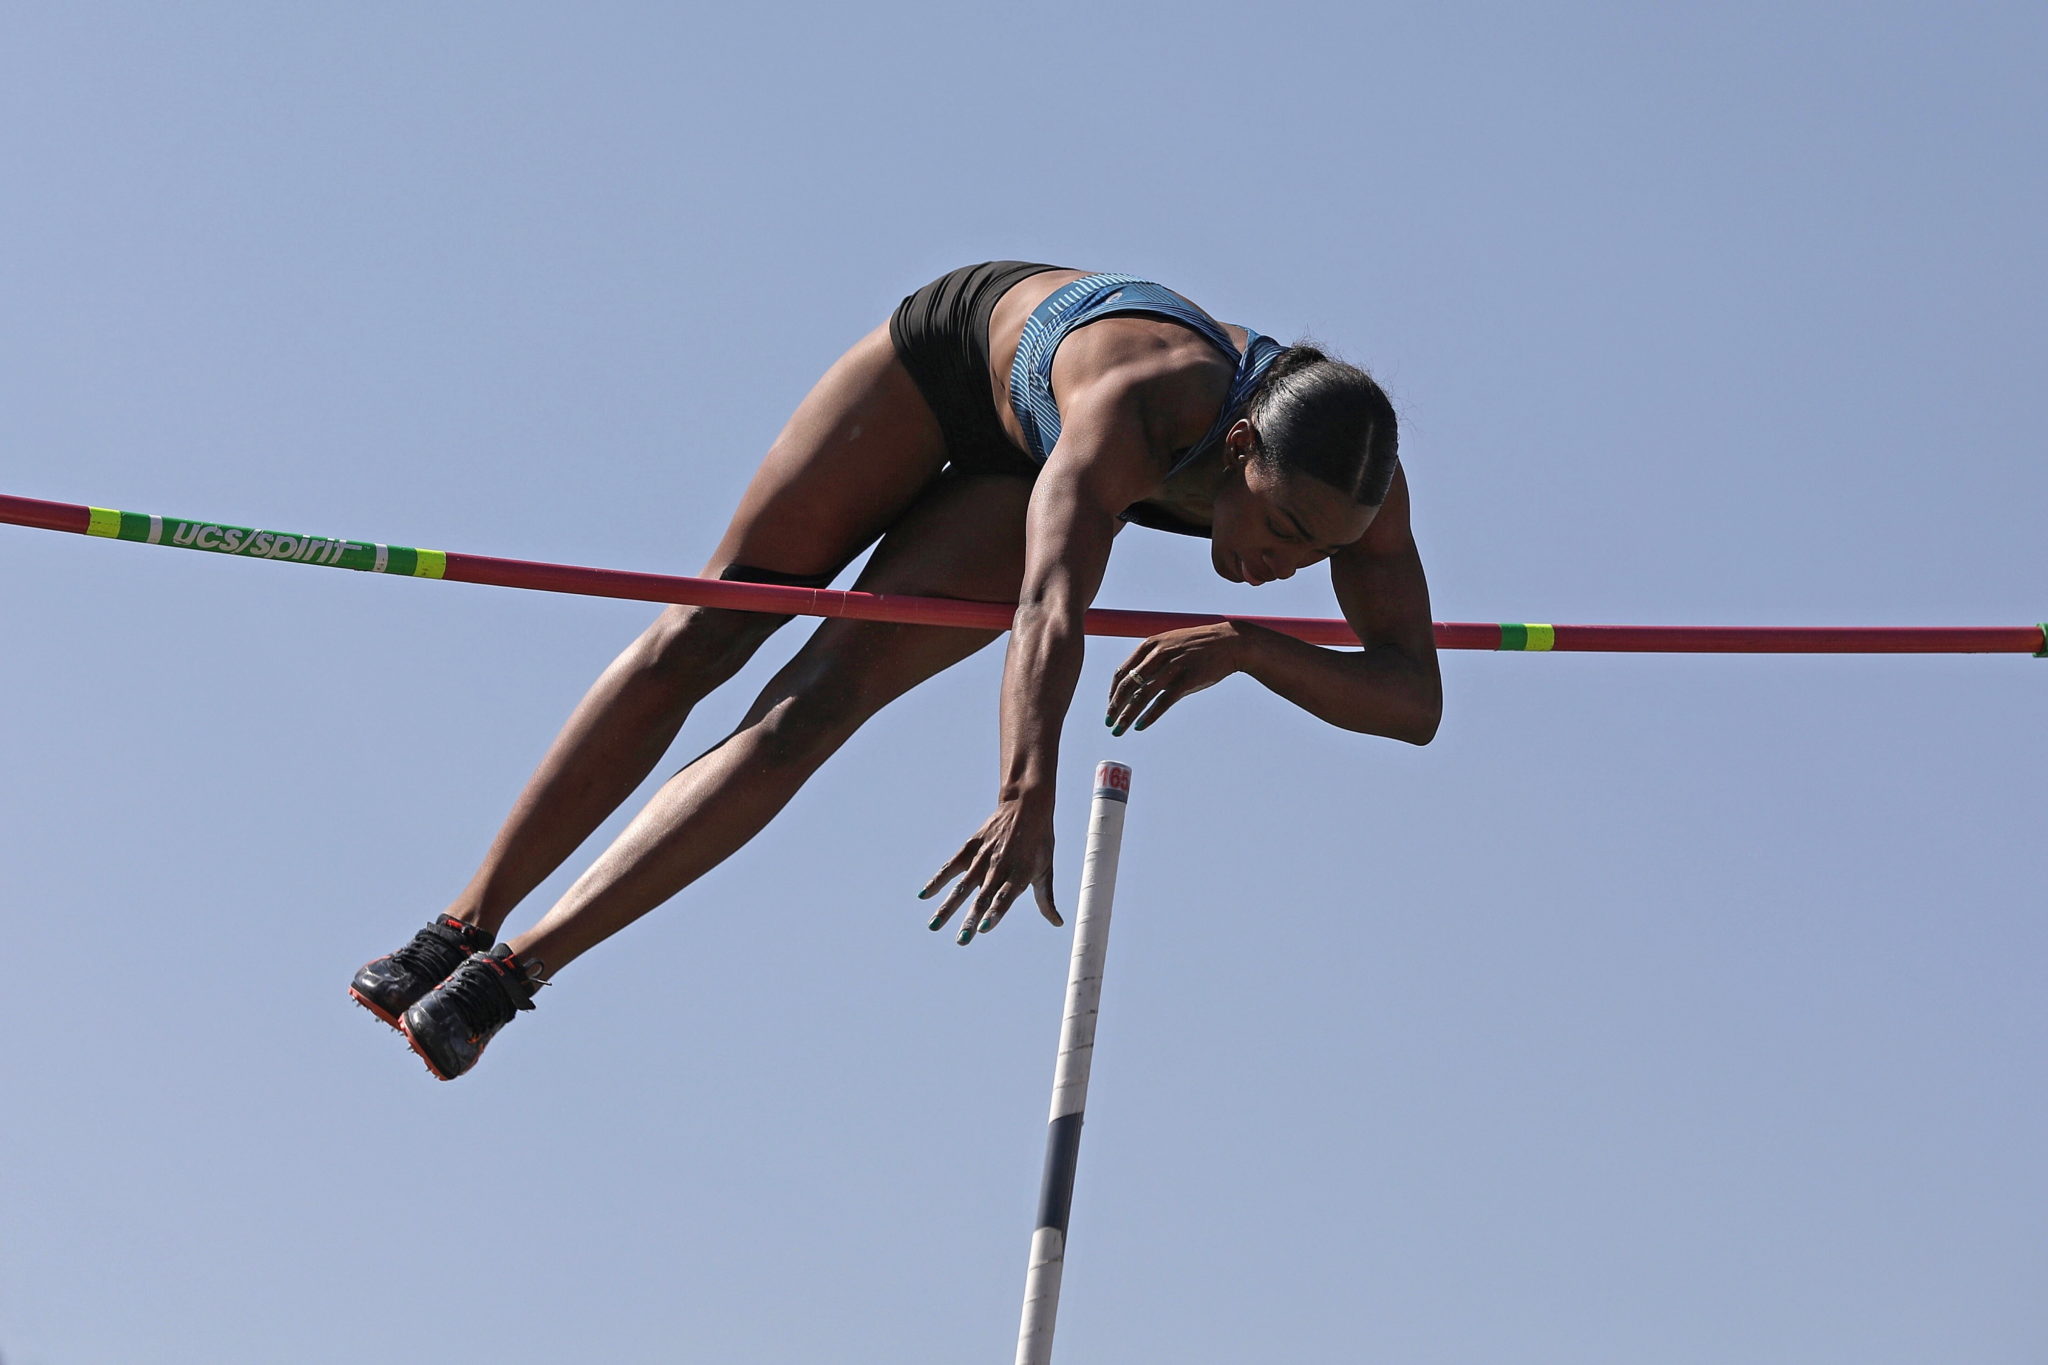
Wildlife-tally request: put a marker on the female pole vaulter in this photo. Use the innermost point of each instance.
(994, 437)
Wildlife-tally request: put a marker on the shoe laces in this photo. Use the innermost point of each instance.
(483, 991)
(429, 951)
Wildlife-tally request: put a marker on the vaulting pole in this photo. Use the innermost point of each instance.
(1070, 1071)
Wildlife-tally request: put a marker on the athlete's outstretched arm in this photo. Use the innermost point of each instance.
(1101, 465)
(1390, 688)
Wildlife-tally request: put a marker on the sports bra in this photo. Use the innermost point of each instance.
(1100, 296)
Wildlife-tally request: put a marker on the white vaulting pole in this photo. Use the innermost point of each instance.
(1070, 1072)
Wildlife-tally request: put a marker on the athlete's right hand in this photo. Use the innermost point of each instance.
(1011, 851)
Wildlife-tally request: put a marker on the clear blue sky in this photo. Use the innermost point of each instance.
(1665, 1009)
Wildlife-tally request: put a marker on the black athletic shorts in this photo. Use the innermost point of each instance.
(941, 336)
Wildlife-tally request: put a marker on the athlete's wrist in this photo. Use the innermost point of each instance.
(1031, 795)
(1254, 648)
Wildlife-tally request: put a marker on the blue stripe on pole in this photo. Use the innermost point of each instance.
(1062, 1154)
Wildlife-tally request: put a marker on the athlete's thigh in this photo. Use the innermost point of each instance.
(964, 538)
(854, 456)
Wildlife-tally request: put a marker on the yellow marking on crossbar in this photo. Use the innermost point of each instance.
(104, 521)
(430, 563)
(1540, 637)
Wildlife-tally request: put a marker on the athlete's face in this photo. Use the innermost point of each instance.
(1268, 524)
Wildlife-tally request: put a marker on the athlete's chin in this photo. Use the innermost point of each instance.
(1227, 567)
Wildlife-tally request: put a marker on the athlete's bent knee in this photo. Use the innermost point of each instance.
(703, 643)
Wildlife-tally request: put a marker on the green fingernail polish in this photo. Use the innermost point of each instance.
(937, 921)
(966, 935)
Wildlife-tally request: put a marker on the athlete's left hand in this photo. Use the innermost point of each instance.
(1171, 666)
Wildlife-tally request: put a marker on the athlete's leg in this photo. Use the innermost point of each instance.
(964, 539)
(858, 451)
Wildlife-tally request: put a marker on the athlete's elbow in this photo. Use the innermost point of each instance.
(1423, 715)
(1051, 611)
(1042, 628)
(1423, 730)
(1411, 725)
(1394, 705)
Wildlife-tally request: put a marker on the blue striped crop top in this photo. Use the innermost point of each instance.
(1101, 296)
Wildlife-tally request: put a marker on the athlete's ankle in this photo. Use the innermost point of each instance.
(538, 964)
(484, 915)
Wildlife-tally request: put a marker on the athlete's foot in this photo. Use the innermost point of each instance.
(451, 1024)
(388, 986)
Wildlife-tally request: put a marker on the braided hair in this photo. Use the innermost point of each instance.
(1324, 418)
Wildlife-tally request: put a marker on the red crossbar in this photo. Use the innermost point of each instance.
(938, 611)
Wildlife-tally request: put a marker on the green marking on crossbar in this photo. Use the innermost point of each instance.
(248, 543)
(1531, 636)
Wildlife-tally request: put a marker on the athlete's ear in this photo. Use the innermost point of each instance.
(1241, 440)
